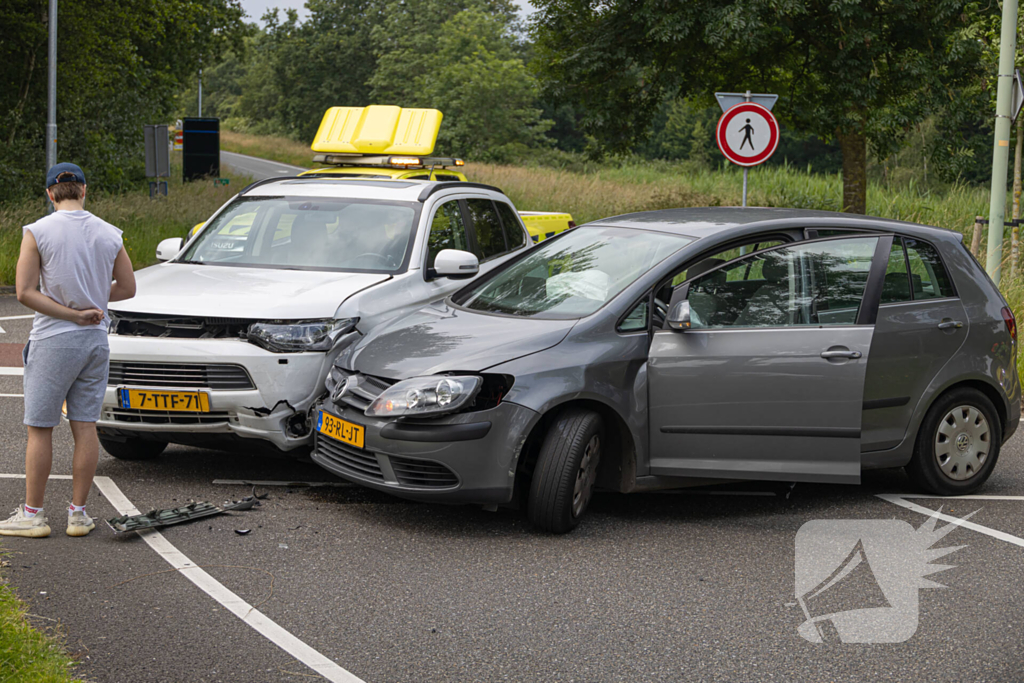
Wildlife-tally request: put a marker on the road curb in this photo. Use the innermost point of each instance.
(7, 290)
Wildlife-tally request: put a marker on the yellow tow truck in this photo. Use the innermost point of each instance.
(385, 142)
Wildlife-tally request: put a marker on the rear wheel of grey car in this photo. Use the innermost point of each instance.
(133, 449)
(958, 444)
(566, 471)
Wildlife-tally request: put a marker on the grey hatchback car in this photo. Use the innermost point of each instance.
(685, 347)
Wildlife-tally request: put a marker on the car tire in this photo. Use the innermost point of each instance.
(957, 444)
(133, 449)
(566, 470)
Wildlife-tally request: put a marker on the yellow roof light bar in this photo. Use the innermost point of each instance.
(386, 161)
(377, 129)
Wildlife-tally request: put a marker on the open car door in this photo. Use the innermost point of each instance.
(767, 382)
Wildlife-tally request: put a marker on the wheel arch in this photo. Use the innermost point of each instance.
(617, 469)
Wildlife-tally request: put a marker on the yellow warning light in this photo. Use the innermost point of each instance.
(405, 161)
(460, 162)
(377, 129)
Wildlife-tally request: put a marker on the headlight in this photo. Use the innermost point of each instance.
(425, 396)
(304, 335)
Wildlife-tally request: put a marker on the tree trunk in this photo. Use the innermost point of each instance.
(854, 147)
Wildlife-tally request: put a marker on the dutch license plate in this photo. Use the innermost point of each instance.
(155, 399)
(339, 429)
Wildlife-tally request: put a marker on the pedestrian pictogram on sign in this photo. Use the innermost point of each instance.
(747, 134)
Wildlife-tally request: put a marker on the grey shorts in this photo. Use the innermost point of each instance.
(70, 366)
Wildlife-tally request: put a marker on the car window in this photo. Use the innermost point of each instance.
(303, 233)
(490, 240)
(721, 257)
(636, 320)
(446, 231)
(515, 234)
(896, 286)
(927, 274)
(572, 275)
(815, 283)
(442, 176)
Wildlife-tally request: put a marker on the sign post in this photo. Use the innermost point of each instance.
(747, 133)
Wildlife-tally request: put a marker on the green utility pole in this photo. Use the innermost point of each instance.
(1001, 148)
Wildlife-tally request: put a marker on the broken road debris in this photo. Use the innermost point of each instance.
(178, 515)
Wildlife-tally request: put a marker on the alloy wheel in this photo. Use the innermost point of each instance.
(585, 476)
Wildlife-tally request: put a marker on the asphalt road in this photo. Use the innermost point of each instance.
(651, 587)
(256, 167)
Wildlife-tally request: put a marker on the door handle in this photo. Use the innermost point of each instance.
(950, 325)
(829, 355)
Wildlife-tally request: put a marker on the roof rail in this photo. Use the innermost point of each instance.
(439, 185)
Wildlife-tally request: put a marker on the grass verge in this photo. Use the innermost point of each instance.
(144, 221)
(27, 655)
(282, 149)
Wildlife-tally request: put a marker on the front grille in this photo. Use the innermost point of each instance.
(362, 389)
(162, 417)
(353, 461)
(422, 473)
(219, 376)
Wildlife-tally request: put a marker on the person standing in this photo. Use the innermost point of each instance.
(66, 268)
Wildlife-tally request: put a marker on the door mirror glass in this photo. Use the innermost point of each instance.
(169, 248)
(454, 263)
(679, 316)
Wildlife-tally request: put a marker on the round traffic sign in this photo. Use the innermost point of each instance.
(747, 134)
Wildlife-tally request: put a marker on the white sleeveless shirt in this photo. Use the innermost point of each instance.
(77, 252)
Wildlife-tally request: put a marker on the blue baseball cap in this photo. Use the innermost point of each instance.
(58, 169)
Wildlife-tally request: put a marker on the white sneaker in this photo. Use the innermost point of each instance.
(20, 525)
(79, 524)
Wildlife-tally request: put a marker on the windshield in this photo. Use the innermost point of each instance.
(574, 275)
(304, 233)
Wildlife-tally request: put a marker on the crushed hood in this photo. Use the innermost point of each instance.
(439, 338)
(206, 290)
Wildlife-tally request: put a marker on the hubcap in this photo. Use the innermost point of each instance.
(962, 442)
(585, 476)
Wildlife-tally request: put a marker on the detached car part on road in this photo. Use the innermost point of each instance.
(685, 347)
(234, 335)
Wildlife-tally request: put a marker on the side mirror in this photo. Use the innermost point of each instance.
(169, 248)
(679, 316)
(455, 263)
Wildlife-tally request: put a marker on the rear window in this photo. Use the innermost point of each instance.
(489, 237)
(515, 234)
(928, 276)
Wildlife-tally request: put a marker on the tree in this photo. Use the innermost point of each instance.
(298, 70)
(120, 64)
(855, 72)
(464, 59)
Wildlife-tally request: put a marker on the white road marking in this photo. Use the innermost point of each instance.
(266, 627)
(925, 495)
(12, 371)
(1001, 535)
(18, 317)
(258, 482)
(3, 331)
(685, 492)
(12, 395)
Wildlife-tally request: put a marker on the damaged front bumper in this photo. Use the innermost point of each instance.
(269, 395)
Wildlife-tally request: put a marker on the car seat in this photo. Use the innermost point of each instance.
(769, 305)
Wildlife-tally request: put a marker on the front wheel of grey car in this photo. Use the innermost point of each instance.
(958, 444)
(133, 449)
(566, 471)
